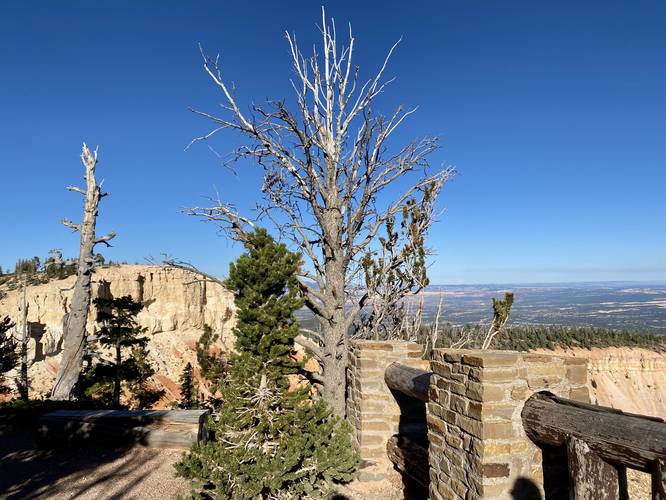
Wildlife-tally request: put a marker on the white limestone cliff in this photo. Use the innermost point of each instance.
(177, 305)
(631, 380)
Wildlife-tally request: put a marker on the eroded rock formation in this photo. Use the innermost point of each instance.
(177, 305)
(631, 380)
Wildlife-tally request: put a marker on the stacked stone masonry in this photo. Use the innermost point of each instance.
(371, 408)
(477, 445)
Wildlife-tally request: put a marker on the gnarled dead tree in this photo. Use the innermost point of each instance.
(330, 182)
(74, 332)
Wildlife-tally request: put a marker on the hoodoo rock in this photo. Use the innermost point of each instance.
(177, 305)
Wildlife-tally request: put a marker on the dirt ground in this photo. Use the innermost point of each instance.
(128, 473)
(143, 473)
(27, 472)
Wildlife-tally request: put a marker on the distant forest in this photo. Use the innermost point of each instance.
(528, 337)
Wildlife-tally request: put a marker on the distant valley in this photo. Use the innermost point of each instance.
(616, 305)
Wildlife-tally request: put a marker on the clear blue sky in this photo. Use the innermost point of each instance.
(554, 113)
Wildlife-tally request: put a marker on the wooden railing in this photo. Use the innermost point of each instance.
(600, 443)
(409, 381)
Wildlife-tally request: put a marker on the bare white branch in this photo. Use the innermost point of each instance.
(105, 239)
(76, 189)
(71, 225)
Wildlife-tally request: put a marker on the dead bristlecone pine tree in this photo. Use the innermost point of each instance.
(74, 332)
(355, 203)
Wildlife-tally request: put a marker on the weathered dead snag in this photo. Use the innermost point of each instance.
(74, 332)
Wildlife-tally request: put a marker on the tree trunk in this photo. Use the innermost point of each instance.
(335, 362)
(659, 479)
(410, 458)
(116, 385)
(407, 380)
(74, 332)
(335, 385)
(590, 478)
(23, 385)
(621, 439)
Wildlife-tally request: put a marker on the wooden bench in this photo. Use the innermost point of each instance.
(152, 428)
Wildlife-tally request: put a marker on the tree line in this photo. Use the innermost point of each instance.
(529, 337)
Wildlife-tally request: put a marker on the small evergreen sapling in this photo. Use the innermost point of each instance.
(211, 364)
(188, 389)
(137, 371)
(271, 441)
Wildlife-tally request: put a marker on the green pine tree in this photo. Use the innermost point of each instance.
(211, 365)
(9, 354)
(270, 440)
(119, 330)
(188, 389)
(137, 372)
(102, 379)
(266, 297)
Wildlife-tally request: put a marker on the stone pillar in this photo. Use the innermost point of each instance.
(477, 446)
(371, 408)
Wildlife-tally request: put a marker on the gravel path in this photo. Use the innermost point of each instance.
(127, 473)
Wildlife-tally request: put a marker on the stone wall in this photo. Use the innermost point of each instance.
(477, 445)
(371, 408)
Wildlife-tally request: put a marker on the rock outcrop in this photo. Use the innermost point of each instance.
(177, 305)
(631, 380)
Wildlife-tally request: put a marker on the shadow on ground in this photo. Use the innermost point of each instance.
(128, 471)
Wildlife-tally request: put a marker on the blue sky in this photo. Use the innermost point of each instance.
(554, 114)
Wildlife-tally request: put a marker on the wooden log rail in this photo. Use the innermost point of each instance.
(411, 459)
(601, 443)
(409, 381)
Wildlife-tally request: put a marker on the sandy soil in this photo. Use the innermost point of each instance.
(127, 473)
